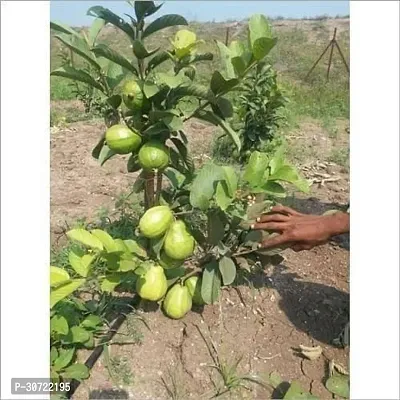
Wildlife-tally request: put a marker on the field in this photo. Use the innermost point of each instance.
(264, 317)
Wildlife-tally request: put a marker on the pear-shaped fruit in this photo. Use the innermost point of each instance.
(168, 262)
(153, 284)
(177, 302)
(153, 156)
(179, 243)
(133, 97)
(122, 140)
(194, 285)
(155, 221)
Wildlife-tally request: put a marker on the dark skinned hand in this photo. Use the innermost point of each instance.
(300, 231)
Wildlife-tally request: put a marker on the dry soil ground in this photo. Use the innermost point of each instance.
(303, 300)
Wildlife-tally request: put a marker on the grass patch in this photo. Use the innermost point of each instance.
(340, 157)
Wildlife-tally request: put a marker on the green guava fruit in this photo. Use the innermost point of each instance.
(194, 285)
(122, 140)
(153, 284)
(155, 221)
(179, 243)
(153, 155)
(177, 302)
(133, 97)
(168, 262)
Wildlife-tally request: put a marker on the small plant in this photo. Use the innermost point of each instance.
(121, 370)
(173, 386)
(228, 371)
(257, 114)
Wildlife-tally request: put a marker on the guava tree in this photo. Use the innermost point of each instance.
(194, 234)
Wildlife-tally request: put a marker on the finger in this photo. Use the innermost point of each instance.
(270, 226)
(275, 241)
(284, 210)
(299, 247)
(273, 218)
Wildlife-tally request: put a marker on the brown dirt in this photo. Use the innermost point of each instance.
(302, 300)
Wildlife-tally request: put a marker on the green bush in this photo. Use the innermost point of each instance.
(257, 116)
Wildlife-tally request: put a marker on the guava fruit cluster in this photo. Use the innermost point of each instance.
(152, 155)
(178, 244)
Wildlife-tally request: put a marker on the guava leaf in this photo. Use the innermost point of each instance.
(59, 27)
(157, 60)
(144, 9)
(222, 197)
(77, 75)
(219, 84)
(110, 282)
(339, 385)
(226, 56)
(203, 186)
(260, 36)
(97, 149)
(173, 123)
(277, 161)
(64, 290)
(164, 22)
(86, 238)
(140, 51)
(192, 90)
(228, 270)
(59, 325)
(172, 81)
(285, 173)
(296, 392)
(216, 228)
(53, 354)
(183, 151)
(76, 371)
(92, 322)
(175, 177)
(58, 276)
(105, 238)
(262, 46)
(95, 28)
(114, 74)
(127, 265)
(255, 168)
(64, 358)
(102, 50)
(273, 188)
(135, 248)
(133, 164)
(114, 101)
(150, 89)
(223, 108)
(80, 47)
(105, 154)
(114, 19)
(80, 264)
(211, 283)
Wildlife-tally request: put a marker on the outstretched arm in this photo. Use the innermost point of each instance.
(301, 231)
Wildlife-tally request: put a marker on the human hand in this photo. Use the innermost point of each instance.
(300, 231)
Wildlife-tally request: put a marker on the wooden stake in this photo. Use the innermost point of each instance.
(331, 45)
(331, 54)
(227, 37)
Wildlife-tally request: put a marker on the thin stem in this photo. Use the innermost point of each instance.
(184, 212)
(207, 103)
(159, 187)
(241, 253)
(191, 273)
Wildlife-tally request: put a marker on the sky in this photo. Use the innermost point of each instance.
(74, 12)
